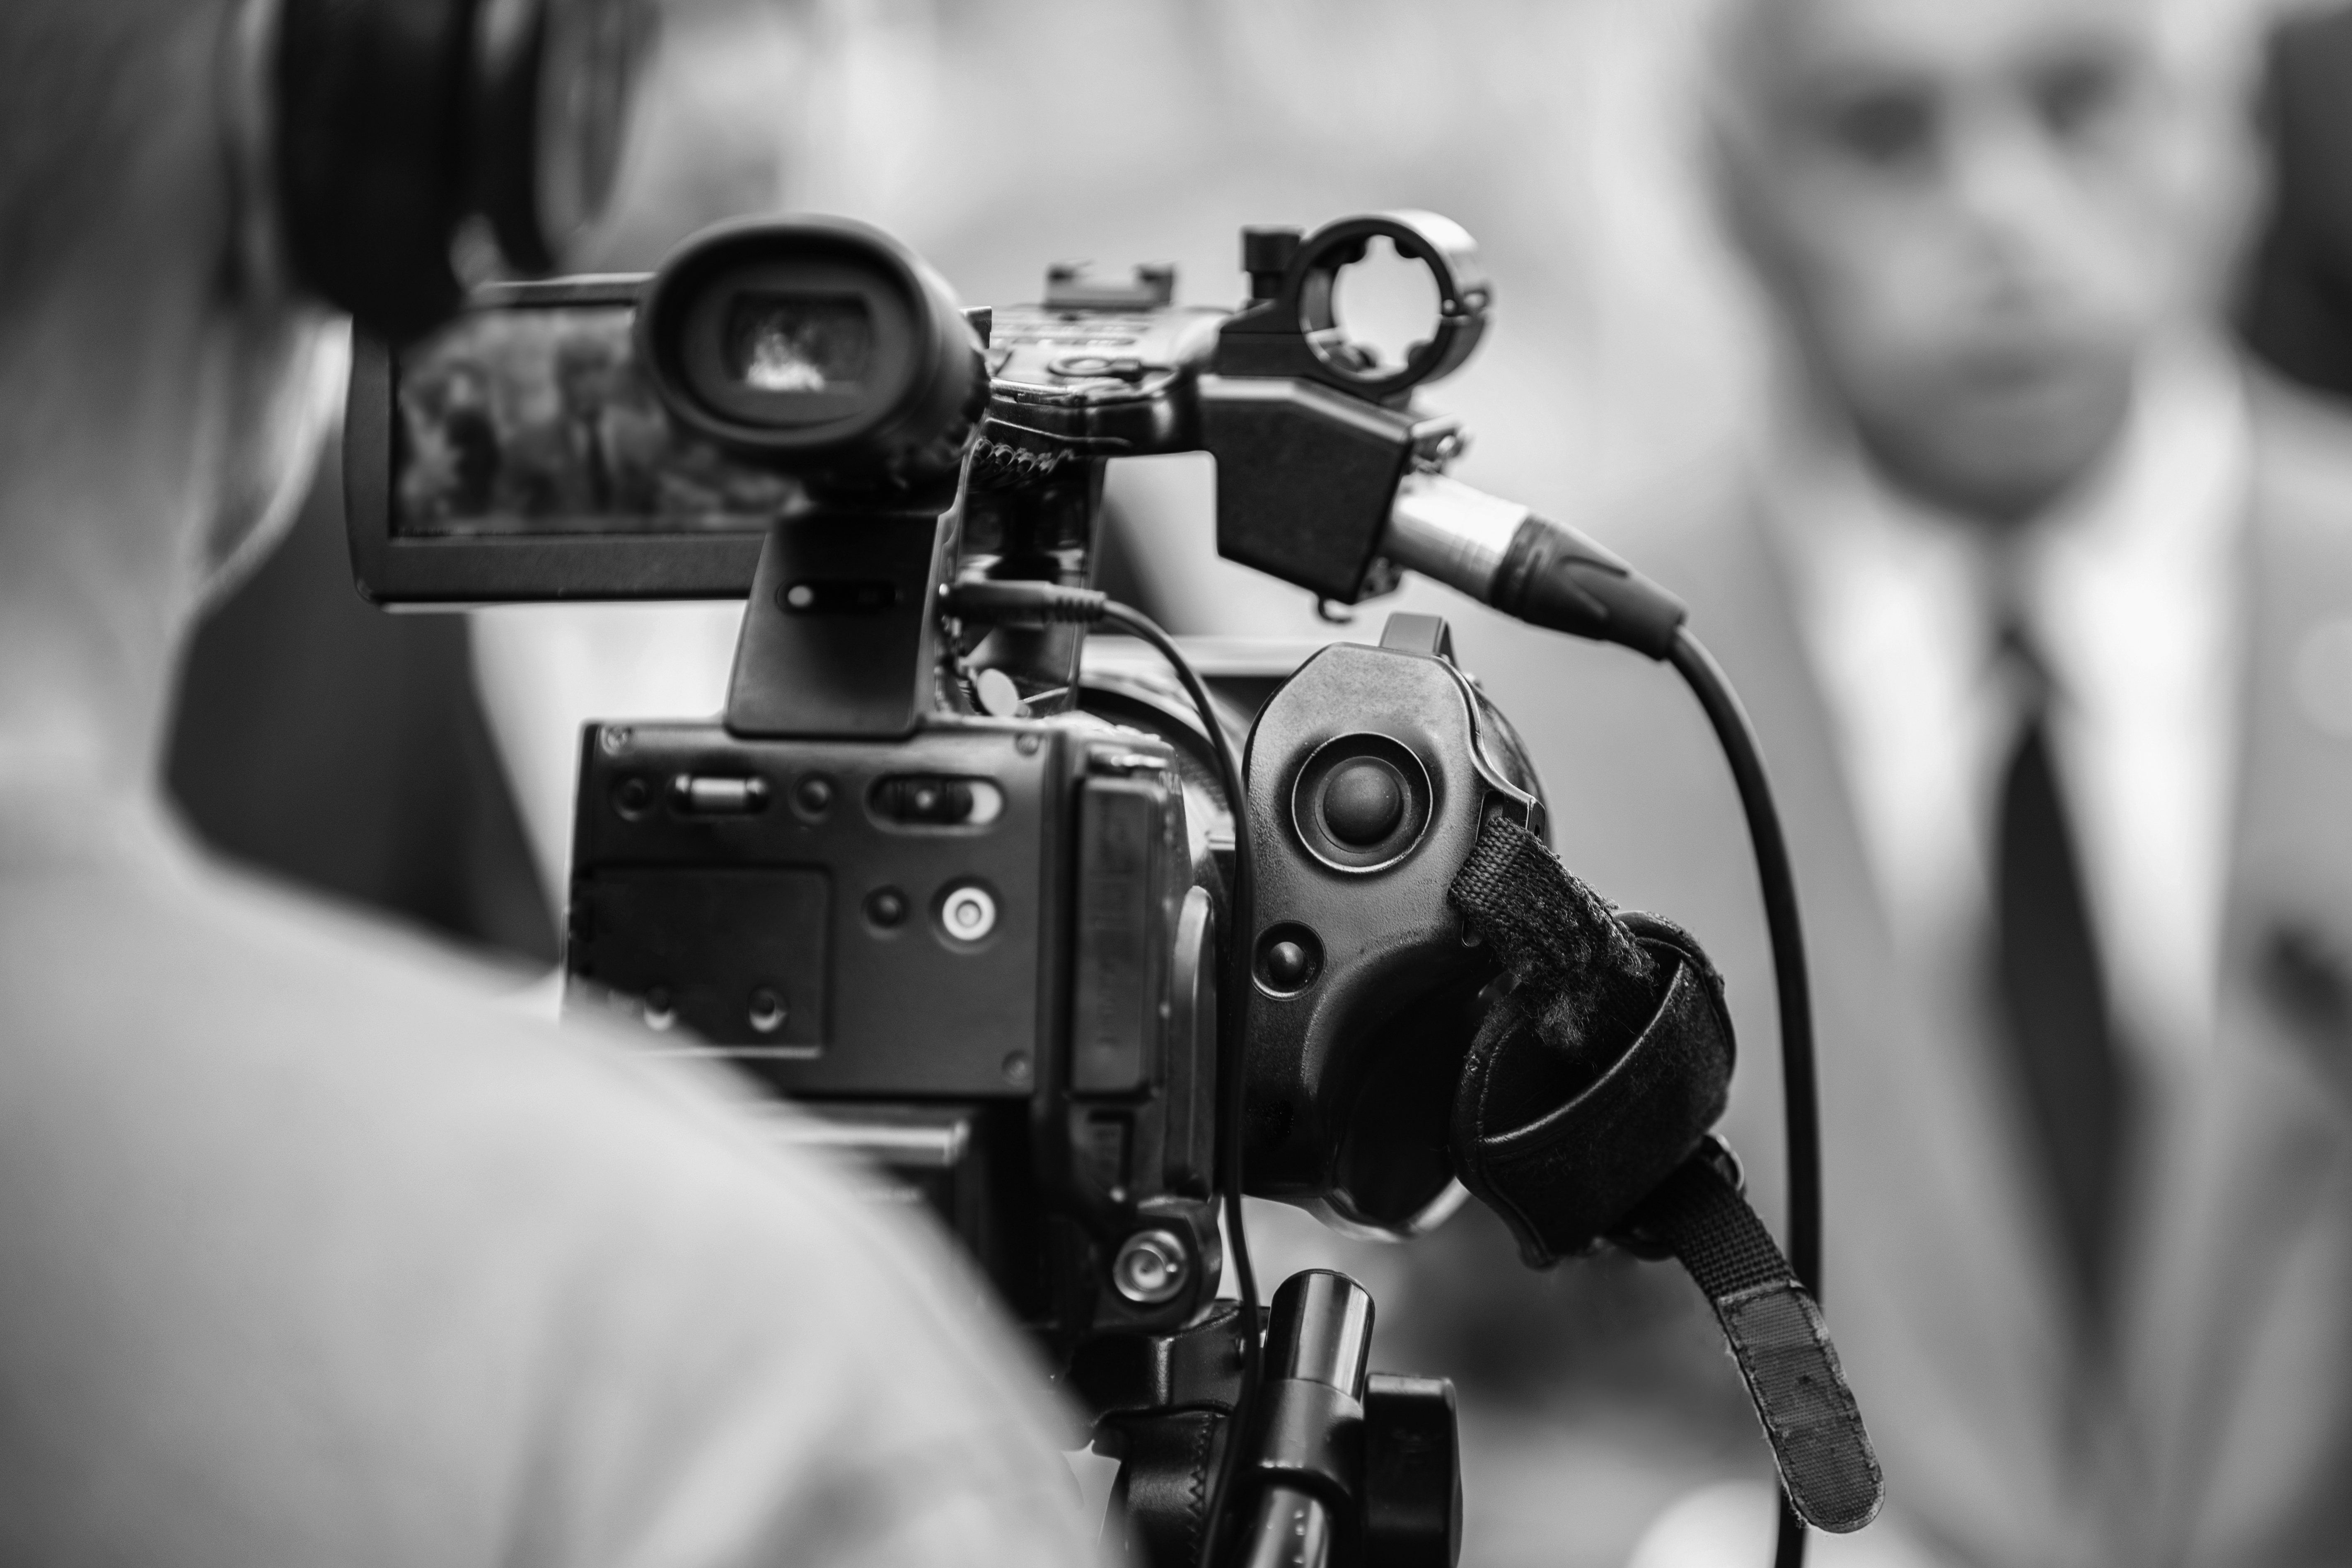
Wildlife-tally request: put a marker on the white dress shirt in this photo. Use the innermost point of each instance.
(2129, 590)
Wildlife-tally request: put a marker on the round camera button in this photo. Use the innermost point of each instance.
(1362, 803)
(967, 914)
(1289, 959)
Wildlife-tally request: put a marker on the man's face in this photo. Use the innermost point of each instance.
(1964, 208)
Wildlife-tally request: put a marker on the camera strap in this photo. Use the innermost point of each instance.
(1582, 1113)
(1777, 1335)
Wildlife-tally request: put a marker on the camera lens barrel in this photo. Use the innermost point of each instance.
(819, 345)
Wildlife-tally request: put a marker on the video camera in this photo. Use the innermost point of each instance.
(1022, 930)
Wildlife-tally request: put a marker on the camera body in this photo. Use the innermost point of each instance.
(928, 880)
(980, 956)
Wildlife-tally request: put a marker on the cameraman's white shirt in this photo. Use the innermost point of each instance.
(308, 1256)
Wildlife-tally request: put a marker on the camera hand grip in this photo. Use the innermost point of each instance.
(1582, 1112)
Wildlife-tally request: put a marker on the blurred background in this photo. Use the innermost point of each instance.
(423, 765)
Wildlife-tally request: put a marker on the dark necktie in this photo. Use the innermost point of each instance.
(2054, 999)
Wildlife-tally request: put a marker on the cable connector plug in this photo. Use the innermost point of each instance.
(1023, 603)
(1500, 554)
(1553, 576)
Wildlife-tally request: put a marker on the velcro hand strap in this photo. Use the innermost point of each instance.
(1582, 1112)
(1777, 1335)
(1601, 1071)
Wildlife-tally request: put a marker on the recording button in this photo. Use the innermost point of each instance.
(887, 908)
(1362, 803)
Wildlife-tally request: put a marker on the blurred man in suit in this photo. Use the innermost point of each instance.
(2026, 592)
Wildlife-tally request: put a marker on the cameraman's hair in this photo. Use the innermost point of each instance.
(82, 83)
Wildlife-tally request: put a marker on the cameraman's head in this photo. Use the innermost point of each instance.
(159, 386)
(1972, 216)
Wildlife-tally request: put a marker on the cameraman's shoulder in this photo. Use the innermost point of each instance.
(306, 1130)
(302, 1032)
(300, 1015)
